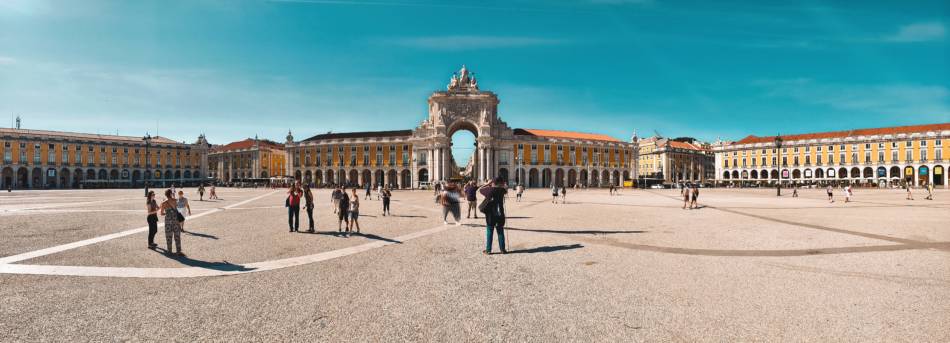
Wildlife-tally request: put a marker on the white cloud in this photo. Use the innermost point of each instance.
(918, 32)
(5, 60)
(24, 7)
(923, 101)
(462, 42)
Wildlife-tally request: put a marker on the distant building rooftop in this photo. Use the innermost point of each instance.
(362, 134)
(565, 134)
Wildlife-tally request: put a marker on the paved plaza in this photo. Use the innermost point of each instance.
(633, 267)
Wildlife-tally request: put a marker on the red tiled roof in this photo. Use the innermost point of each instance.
(247, 144)
(684, 145)
(565, 134)
(89, 136)
(751, 139)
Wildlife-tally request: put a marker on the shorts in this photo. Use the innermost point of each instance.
(829, 194)
(343, 214)
(354, 215)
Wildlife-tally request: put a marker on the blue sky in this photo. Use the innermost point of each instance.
(707, 69)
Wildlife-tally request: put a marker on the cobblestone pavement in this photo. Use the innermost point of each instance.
(745, 266)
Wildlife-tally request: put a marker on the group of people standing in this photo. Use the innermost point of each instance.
(690, 194)
(492, 206)
(175, 210)
(557, 193)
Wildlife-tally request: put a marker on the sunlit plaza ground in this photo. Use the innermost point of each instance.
(746, 266)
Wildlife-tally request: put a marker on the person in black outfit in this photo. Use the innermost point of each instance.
(152, 208)
(308, 204)
(494, 193)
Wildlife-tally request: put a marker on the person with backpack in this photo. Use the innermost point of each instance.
(493, 206)
(450, 203)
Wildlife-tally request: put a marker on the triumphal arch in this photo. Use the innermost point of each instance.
(423, 155)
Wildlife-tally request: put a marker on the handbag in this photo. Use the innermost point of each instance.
(486, 202)
(181, 218)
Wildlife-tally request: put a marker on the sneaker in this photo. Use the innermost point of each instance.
(445, 222)
(486, 252)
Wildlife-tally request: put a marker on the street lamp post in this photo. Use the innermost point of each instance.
(778, 149)
(148, 162)
(412, 173)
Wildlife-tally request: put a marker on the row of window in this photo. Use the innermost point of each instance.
(90, 154)
(326, 156)
(908, 157)
(854, 147)
(594, 157)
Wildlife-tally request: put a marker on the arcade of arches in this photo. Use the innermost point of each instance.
(421, 156)
(38, 159)
(884, 157)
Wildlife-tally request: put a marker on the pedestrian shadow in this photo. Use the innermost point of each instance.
(518, 217)
(404, 216)
(372, 236)
(198, 234)
(223, 266)
(551, 248)
(325, 233)
(577, 232)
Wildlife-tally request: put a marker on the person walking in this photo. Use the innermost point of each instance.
(693, 196)
(151, 207)
(831, 193)
(213, 194)
(293, 208)
(343, 208)
(335, 198)
(201, 192)
(354, 213)
(795, 192)
(379, 191)
(450, 203)
(930, 191)
(181, 206)
(684, 191)
(563, 195)
(909, 195)
(493, 206)
(519, 191)
(846, 191)
(554, 194)
(369, 187)
(470, 190)
(387, 194)
(308, 204)
(169, 210)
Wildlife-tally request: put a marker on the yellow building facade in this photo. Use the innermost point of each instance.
(666, 161)
(890, 156)
(37, 159)
(246, 160)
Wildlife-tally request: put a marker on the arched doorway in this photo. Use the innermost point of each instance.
(307, 176)
(423, 175)
(895, 172)
(378, 178)
(594, 178)
(909, 174)
(571, 178)
(773, 174)
(330, 179)
(463, 143)
(725, 175)
(38, 178)
(584, 179)
(796, 174)
(65, 181)
(391, 179)
(367, 177)
(842, 173)
(923, 175)
(406, 179)
(559, 177)
(754, 174)
(318, 177)
(533, 178)
(298, 175)
(604, 177)
(354, 178)
(819, 173)
(136, 176)
(546, 178)
(938, 175)
(6, 180)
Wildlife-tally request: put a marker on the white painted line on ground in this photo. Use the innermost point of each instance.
(82, 243)
(187, 272)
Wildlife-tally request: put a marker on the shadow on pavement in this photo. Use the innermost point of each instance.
(198, 234)
(552, 248)
(372, 236)
(224, 266)
(577, 232)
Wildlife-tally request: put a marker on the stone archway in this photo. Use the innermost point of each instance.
(533, 178)
(571, 178)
